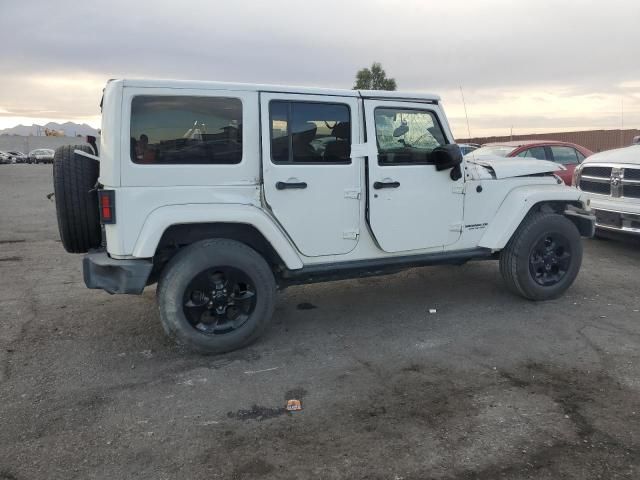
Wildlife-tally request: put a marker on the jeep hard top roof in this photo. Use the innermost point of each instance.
(197, 84)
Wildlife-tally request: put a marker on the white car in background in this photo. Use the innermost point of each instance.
(612, 181)
(5, 158)
(468, 147)
(41, 155)
(17, 156)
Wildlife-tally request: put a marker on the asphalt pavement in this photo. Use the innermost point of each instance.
(490, 386)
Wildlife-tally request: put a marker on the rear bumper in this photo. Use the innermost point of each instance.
(115, 276)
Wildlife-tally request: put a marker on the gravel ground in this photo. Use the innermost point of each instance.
(491, 386)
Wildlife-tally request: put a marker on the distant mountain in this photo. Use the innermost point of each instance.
(69, 128)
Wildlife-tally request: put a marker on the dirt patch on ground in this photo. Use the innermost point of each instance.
(424, 422)
(10, 259)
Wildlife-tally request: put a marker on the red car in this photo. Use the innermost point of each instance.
(566, 154)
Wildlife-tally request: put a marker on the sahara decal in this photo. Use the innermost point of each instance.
(476, 226)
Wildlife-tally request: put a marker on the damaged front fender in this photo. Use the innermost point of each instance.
(521, 200)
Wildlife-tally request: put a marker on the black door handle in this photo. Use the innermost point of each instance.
(285, 185)
(379, 185)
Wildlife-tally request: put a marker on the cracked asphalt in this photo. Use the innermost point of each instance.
(488, 387)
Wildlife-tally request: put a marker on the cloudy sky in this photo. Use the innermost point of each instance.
(530, 65)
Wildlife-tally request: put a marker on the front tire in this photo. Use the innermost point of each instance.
(543, 257)
(216, 295)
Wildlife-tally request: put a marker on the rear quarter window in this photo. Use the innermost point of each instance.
(186, 130)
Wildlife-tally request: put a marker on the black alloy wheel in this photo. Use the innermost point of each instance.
(550, 259)
(543, 257)
(219, 300)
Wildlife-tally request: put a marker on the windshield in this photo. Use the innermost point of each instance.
(499, 150)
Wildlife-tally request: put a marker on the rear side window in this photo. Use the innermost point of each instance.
(310, 132)
(180, 130)
(535, 152)
(564, 155)
(406, 136)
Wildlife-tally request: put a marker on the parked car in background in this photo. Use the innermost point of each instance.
(569, 155)
(19, 157)
(5, 158)
(41, 155)
(636, 140)
(612, 181)
(468, 147)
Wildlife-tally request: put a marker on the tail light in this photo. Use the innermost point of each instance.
(107, 204)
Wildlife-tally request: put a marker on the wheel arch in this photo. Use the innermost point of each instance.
(523, 200)
(179, 225)
(183, 234)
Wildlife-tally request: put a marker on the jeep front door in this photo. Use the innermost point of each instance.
(311, 182)
(412, 206)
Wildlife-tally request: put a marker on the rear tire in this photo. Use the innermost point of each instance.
(199, 301)
(543, 257)
(74, 181)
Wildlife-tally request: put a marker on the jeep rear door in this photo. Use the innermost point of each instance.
(311, 182)
(412, 206)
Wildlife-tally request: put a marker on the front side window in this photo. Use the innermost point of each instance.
(186, 130)
(406, 136)
(310, 132)
(564, 155)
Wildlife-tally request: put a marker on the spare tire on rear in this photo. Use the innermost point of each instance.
(74, 182)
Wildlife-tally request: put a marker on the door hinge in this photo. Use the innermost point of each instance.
(455, 227)
(350, 234)
(352, 193)
(361, 149)
(459, 188)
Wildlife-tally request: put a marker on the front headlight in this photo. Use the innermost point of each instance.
(575, 179)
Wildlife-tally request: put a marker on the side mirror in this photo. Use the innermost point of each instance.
(448, 156)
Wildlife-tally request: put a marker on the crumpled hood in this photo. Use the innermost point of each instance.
(502, 167)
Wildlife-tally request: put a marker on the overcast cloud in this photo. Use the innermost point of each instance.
(534, 65)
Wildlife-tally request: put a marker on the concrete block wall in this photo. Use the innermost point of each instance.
(26, 144)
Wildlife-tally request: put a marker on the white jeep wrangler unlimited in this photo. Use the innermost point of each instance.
(221, 193)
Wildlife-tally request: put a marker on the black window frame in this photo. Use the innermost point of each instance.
(433, 114)
(242, 118)
(289, 103)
